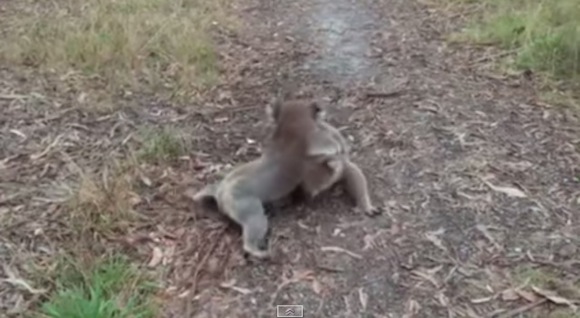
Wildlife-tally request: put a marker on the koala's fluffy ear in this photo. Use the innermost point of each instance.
(315, 108)
(319, 109)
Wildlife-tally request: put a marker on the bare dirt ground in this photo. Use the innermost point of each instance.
(479, 179)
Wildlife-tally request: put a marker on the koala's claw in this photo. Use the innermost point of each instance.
(374, 211)
(257, 253)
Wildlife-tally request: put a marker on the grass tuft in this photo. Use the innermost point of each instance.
(104, 204)
(534, 276)
(110, 288)
(162, 145)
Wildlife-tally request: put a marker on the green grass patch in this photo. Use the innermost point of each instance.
(161, 145)
(564, 313)
(544, 34)
(103, 204)
(551, 280)
(162, 43)
(107, 289)
(534, 276)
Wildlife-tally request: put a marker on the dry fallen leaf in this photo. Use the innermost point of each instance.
(17, 281)
(412, 308)
(529, 296)
(184, 294)
(231, 285)
(316, 287)
(518, 166)
(369, 242)
(428, 275)
(363, 298)
(469, 312)
(298, 276)
(433, 237)
(146, 181)
(340, 250)
(443, 300)
(38, 155)
(482, 300)
(134, 199)
(372, 240)
(156, 257)
(553, 297)
(510, 191)
(485, 231)
(18, 133)
(509, 295)
(82, 98)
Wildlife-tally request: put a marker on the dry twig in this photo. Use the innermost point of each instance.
(341, 250)
(522, 309)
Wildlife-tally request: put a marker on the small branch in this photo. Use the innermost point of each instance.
(337, 249)
(204, 260)
(522, 309)
(12, 96)
(391, 94)
(329, 269)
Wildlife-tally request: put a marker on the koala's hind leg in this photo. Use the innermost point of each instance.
(250, 215)
(356, 185)
(206, 197)
(207, 193)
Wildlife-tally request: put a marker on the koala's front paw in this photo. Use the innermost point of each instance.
(256, 253)
(372, 211)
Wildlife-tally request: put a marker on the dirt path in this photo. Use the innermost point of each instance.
(479, 179)
(437, 152)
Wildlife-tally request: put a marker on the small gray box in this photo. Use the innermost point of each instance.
(287, 311)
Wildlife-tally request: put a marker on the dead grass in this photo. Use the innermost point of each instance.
(103, 205)
(62, 56)
(86, 280)
(100, 208)
(162, 44)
